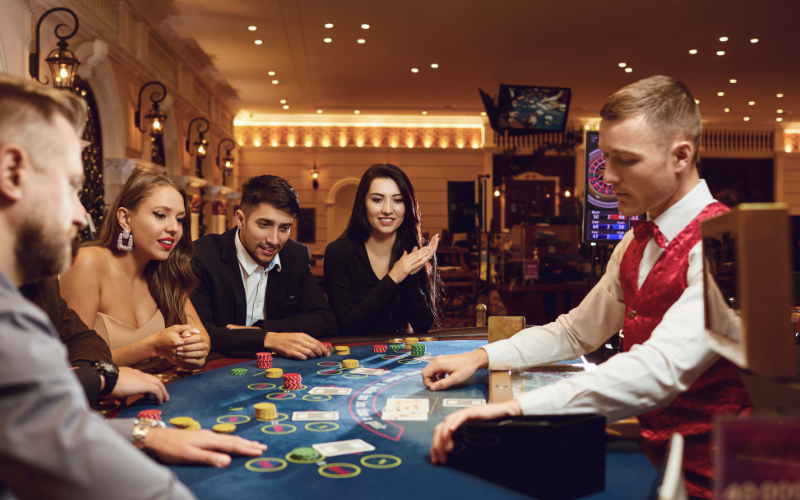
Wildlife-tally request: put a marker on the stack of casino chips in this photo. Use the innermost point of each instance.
(264, 359)
(149, 415)
(349, 364)
(395, 347)
(379, 348)
(417, 349)
(225, 428)
(265, 411)
(305, 454)
(328, 346)
(273, 373)
(412, 340)
(187, 423)
(342, 350)
(239, 371)
(292, 381)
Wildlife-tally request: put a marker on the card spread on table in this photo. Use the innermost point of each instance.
(406, 409)
(305, 416)
(343, 447)
(331, 391)
(369, 371)
(404, 415)
(458, 403)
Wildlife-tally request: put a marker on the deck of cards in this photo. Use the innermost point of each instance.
(313, 416)
(343, 447)
(330, 391)
(406, 409)
(370, 371)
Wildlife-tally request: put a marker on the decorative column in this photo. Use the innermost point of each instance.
(192, 185)
(218, 211)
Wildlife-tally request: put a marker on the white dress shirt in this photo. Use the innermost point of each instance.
(255, 279)
(647, 377)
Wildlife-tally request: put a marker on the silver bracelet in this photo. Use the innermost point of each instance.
(141, 428)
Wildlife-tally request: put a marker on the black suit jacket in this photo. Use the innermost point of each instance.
(293, 302)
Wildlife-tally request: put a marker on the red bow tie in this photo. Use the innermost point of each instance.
(645, 229)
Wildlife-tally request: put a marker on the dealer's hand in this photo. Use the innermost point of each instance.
(179, 446)
(295, 345)
(446, 371)
(443, 433)
(132, 382)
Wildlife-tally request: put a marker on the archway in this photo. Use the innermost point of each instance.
(339, 204)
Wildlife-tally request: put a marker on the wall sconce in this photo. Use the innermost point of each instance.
(497, 192)
(198, 148)
(314, 175)
(154, 122)
(227, 160)
(61, 60)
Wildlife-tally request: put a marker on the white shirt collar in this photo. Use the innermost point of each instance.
(248, 263)
(679, 215)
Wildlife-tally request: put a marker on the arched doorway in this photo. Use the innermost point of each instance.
(339, 205)
(93, 188)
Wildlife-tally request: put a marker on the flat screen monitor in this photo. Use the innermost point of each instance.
(602, 222)
(526, 108)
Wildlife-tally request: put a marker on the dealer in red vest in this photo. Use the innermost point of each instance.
(652, 290)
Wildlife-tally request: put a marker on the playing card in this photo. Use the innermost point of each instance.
(463, 402)
(370, 371)
(307, 416)
(404, 415)
(407, 405)
(343, 447)
(331, 391)
(427, 358)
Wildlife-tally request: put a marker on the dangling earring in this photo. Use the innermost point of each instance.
(125, 235)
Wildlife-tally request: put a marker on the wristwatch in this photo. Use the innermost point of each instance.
(110, 373)
(142, 427)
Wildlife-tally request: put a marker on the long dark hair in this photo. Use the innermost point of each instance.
(171, 281)
(409, 234)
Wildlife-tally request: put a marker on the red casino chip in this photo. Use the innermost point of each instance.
(379, 348)
(263, 355)
(264, 364)
(150, 414)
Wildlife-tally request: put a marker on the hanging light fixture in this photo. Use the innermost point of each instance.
(198, 148)
(154, 121)
(314, 175)
(227, 160)
(61, 60)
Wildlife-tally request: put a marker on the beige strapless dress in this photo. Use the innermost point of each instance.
(118, 334)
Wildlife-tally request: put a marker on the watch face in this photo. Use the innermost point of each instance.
(107, 367)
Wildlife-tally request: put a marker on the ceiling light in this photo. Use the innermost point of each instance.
(361, 40)
(723, 39)
(329, 25)
(754, 40)
(720, 94)
(780, 111)
(628, 70)
(357, 112)
(319, 111)
(727, 110)
(733, 80)
(424, 112)
(271, 73)
(779, 119)
(285, 106)
(365, 26)
(434, 65)
(328, 40)
(483, 113)
(780, 95)
(622, 65)
(274, 82)
(747, 118)
(720, 52)
(258, 42)
(752, 103)
(693, 51)
(414, 70)
(697, 101)
(252, 28)
(283, 101)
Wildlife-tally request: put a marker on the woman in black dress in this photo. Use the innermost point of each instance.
(380, 276)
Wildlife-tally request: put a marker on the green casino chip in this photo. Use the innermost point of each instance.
(239, 371)
(305, 454)
(395, 347)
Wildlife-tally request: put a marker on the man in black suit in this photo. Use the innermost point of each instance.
(256, 291)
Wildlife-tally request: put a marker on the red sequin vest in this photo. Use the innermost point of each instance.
(718, 390)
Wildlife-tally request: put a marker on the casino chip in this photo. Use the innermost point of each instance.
(395, 347)
(381, 348)
(224, 428)
(265, 411)
(194, 426)
(181, 422)
(239, 371)
(305, 454)
(274, 373)
(418, 349)
(292, 381)
(349, 364)
(328, 346)
(264, 360)
(149, 415)
(342, 350)
(411, 340)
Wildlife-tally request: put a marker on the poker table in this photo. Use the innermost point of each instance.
(398, 468)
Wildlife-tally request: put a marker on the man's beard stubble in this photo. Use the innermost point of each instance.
(39, 254)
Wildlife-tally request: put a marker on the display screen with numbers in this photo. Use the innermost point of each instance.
(602, 222)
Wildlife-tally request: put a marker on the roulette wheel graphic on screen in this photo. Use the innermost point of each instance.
(600, 193)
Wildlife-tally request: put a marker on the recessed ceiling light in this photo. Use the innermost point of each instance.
(720, 94)
(274, 82)
(357, 112)
(483, 113)
(434, 65)
(252, 28)
(328, 40)
(271, 73)
(727, 110)
(780, 111)
(693, 51)
(752, 103)
(747, 118)
(780, 95)
(733, 80)
(414, 70)
(361, 40)
(258, 42)
(622, 65)
(285, 106)
(779, 119)
(329, 25)
(723, 39)
(720, 52)
(365, 26)
(628, 70)
(424, 112)
(283, 101)
(754, 40)
(697, 101)
(319, 111)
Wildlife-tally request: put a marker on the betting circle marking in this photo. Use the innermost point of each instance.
(381, 461)
(278, 429)
(296, 461)
(458, 447)
(409, 361)
(283, 388)
(321, 427)
(317, 397)
(339, 470)
(261, 386)
(265, 464)
(355, 375)
(329, 363)
(329, 372)
(281, 395)
(391, 356)
(482, 439)
(281, 418)
(233, 419)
